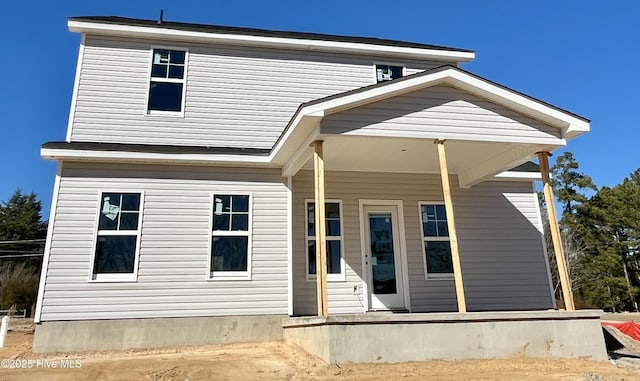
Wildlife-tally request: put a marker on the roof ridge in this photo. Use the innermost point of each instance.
(261, 32)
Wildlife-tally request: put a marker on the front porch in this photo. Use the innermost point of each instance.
(386, 252)
(398, 337)
(502, 256)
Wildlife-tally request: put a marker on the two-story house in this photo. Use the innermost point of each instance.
(185, 207)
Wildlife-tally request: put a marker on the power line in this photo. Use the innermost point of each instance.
(23, 241)
(20, 255)
(20, 251)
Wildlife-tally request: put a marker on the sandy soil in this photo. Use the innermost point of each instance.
(280, 361)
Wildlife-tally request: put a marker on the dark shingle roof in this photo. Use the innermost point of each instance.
(529, 166)
(154, 148)
(258, 32)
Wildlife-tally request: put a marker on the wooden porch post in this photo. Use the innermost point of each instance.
(453, 237)
(543, 158)
(321, 247)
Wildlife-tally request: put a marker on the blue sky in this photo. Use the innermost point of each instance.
(579, 55)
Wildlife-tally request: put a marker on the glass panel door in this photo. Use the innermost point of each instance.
(383, 257)
(383, 266)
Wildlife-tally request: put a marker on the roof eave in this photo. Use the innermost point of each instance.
(264, 41)
(70, 154)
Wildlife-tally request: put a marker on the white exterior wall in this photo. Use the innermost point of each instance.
(235, 96)
(499, 234)
(173, 276)
(441, 112)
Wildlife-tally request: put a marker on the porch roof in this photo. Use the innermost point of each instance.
(479, 149)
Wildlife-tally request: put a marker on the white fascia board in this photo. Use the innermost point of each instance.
(71, 154)
(293, 43)
(303, 118)
(567, 122)
(571, 126)
(572, 130)
(518, 176)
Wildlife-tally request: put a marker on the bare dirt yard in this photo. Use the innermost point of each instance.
(274, 361)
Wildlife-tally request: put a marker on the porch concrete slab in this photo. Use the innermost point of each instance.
(451, 336)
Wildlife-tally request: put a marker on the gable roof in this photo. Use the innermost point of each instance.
(571, 124)
(252, 36)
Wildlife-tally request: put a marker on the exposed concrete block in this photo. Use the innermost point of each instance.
(88, 335)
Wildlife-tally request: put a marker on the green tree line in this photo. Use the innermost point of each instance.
(22, 238)
(601, 237)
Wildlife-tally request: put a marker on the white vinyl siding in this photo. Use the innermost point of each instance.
(440, 112)
(235, 96)
(503, 268)
(173, 271)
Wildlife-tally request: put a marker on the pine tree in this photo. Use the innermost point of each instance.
(569, 185)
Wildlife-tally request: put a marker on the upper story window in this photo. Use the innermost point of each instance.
(166, 86)
(436, 242)
(333, 232)
(388, 72)
(231, 236)
(117, 241)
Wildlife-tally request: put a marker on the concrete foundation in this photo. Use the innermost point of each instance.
(449, 336)
(89, 335)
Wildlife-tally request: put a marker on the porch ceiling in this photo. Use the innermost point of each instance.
(400, 155)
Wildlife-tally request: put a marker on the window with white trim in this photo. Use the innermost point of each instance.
(231, 236)
(388, 72)
(333, 229)
(166, 86)
(118, 237)
(435, 236)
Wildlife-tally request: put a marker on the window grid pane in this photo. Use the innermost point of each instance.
(165, 96)
(230, 213)
(437, 252)
(332, 219)
(439, 257)
(333, 234)
(434, 220)
(116, 206)
(166, 85)
(388, 72)
(334, 254)
(115, 254)
(230, 253)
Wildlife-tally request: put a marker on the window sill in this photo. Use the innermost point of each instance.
(222, 276)
(158, 113)
(114, 278)
(439, 277)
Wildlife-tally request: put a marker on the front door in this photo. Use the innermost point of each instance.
(383, 257)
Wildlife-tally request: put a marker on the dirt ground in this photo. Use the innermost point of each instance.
(275, 361)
